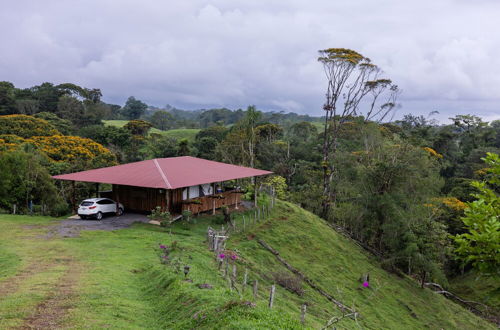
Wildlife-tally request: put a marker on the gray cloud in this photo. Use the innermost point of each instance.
(194, 54)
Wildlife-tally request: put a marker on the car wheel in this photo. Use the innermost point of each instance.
(98, 216)
(120, 211)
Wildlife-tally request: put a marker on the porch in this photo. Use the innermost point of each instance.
(212, 202)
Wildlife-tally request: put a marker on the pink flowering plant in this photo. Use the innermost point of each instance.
(164, 252)
(227, 255)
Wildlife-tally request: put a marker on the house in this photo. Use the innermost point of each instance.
(175, 184)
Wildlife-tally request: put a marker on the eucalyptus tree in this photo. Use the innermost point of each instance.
(354, 88)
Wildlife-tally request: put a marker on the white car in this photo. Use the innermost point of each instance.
(97, 207)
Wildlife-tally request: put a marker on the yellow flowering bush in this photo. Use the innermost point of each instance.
(446, 204)
(10, 142)
(71, 148)
(433, 152)
(453, 203)
(26, 126)
(66, 153)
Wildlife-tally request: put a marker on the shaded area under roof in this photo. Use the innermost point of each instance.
(166, 173)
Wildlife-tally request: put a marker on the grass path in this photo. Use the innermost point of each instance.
(50, 282)
(52, 311)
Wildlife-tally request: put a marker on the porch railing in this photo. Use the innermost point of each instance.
(211, 202)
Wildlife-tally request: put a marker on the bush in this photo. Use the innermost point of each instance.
(59, 209)
(26, 126)
(218, 220)
(290, 282)
(158, 215)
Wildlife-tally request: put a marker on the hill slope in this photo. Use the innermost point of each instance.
(122, 284)
(179, 133)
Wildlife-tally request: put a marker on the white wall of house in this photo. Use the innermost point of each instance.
(194, 191)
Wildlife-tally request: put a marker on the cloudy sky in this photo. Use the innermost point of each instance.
(444, 54)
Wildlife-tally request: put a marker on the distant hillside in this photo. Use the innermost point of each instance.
(225, 116)
(180, 133)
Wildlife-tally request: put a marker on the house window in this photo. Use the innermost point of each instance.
(197, 191)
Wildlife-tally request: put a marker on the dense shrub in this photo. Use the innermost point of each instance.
(26, 126)
(24, 181)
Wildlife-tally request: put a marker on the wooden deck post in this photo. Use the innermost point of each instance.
(97, 189)
(255, 192)
(73, 196)
(167, 200)
(117, 203)
(213, 199)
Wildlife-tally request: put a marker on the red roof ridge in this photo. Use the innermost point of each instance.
(163, 176)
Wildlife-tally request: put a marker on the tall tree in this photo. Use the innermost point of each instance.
(7, 98)
(162, 120)
(351, 78)
(134, 108)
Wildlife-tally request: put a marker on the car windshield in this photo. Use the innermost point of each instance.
(86, 203)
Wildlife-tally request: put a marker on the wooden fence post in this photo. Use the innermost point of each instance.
(244, 224)
(233, 279)
(245, 278)
(303, 314)
(255, 288)
(271, 296)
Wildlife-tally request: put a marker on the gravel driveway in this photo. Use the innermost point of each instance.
(71, 227)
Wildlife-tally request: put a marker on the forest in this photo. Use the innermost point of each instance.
(422, 196)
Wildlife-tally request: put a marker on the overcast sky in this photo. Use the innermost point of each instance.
(444, 54)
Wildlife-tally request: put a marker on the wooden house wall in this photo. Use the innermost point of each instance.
(140, 199)
(143, 200)
(175, 201)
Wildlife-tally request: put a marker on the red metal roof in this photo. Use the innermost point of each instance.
(166, 173)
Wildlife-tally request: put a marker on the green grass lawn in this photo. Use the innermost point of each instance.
(180, 133)
(120, 282)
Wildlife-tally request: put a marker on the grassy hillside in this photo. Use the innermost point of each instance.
(180, 133)
(118, 281)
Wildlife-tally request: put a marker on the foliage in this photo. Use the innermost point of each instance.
(216, 132)
(133, 108)
(26, 126)
(80, 153)
(160, 146)
(24, 180)
(480, 245)
(206, 147)
(183, 148)
(162, 120)
(62, 125)
(138, 127)
(351, 79)
(163, 217)
(279, 184)
(72, 109)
